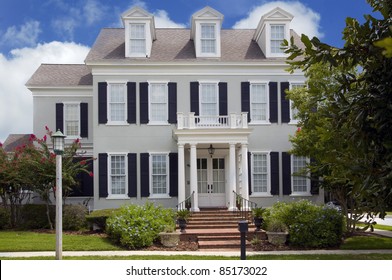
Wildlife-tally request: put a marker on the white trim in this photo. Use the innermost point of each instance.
(166, 117)
(216, 84)
(165, 195)
(109, 84)
(293, 193)
(259, 122)
(268, 192)
(64, 120)
(109, 172)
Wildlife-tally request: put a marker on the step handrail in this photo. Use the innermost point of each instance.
(187, 203)
(244, 207)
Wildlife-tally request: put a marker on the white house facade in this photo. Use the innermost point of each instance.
(172, 112)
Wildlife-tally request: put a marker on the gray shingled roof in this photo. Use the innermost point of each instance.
(61, 75)
(175, 45)
(15, 140)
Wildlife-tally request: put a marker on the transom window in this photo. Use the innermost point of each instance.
(159, 174)
(158, 102)
(208, 38)
(117, 103)
(137, 39)
(259, 102)
(72, 119)
(277, 37)
(260, 173)
(117, 175)
(300, 183)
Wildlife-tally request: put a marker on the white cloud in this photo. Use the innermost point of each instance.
(25, 35)
(94, 11)
(16, 103)
(162, 20)
(305, 19)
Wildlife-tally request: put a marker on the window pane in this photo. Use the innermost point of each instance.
(117, 174)
(137, 38)
(158, 102)
(208, 31)
(277, 37)
(117, 102)
(71, 119)
(159, 174)
(259, 102)
(260, 173)
(299, 182)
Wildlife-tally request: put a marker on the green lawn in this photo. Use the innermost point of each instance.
(24, 241)
(366, 243)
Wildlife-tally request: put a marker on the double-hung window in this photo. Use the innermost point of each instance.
(260, 173)
(300, 184)
(117, 175)
(72, 119)
(209, 105)
(158, 99)
(117, 105)
(277, 38)
(294, 110)
(259, 108)
(138, 39)
(159, 167)
(208, 38)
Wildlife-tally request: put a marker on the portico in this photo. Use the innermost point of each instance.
(212, 174)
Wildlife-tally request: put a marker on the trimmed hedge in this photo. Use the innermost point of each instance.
(310, 226)
(74, 217)
(135, 226)
(5, 217)
(99, 217)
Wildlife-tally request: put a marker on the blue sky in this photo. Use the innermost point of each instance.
(62, 31)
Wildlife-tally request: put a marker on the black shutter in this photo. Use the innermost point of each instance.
(285, 102)
(131, 106)
(102, 102)
(286, 169)
(103, 174)
(143, 103)
(85, 181)
(132, 175)
(273, 102)
(315, 182)
(173, 165)
(84, 120)
(245, 98)
(145, 174)
(222, 99)
(274, 157)
(195, 98)
(250, 173)
(60, 117)
(172, 88)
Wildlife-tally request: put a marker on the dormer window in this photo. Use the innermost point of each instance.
(208, 39)
(137, 39)
(277, 38)
(205, 32)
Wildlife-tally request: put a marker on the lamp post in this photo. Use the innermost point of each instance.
(58, 148)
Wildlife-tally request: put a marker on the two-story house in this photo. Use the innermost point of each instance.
(174, 112)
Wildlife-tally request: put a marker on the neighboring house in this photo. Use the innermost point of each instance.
(169, 112)
(14, 141)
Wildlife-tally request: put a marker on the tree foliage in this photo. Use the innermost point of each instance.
(350, 133)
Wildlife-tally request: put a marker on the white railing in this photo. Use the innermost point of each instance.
(190, 121)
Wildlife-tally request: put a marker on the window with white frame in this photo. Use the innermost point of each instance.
(300, 184)
(259, 108)
(294, 110)
(158, 99)
(72, 119)
(260, 173)
(137, 39)
(159, 174)
(209, 105)
(117, 111)
(277, 37)
(117, 175)
(208, 38)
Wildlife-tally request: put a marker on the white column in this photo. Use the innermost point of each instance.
(245, 179)
(232, 177)
(181, 173)
(195, 202)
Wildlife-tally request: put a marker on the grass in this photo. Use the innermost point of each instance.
(25, 241)
(366, 243)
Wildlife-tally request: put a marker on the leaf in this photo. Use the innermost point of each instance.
(386, 44)
(306, 41)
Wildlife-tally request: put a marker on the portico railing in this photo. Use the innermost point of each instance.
(232, 121)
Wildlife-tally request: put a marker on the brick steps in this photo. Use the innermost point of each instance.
(215, 229)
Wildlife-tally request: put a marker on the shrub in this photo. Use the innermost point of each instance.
(99, 217)
(74, 217)
(136, 226)
(5, 217)
(33, 216)
(310, 226)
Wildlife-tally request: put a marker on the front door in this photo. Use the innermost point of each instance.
(211, 182)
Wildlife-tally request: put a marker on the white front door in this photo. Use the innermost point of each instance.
(211, 182)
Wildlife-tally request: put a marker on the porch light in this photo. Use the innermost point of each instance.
(211, 150)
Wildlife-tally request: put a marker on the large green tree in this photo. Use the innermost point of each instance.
(353, 131)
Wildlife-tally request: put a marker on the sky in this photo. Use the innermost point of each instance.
(62, 31)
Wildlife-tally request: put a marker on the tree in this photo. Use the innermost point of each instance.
(354, 132)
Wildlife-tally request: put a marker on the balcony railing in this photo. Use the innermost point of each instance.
(190, 121)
